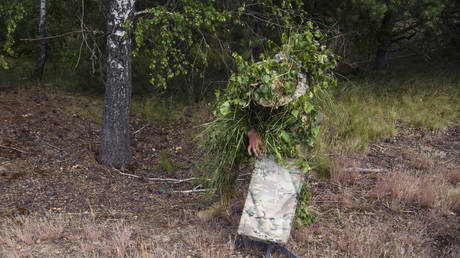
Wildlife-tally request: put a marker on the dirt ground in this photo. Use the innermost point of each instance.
(400, 199)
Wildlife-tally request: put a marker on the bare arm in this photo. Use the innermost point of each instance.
(256, 145)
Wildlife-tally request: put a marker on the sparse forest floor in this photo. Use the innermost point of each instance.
(400, 199)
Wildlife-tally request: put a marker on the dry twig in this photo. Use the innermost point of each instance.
(139, 130)
(52, 146)
(193, 191)
(12, 148)
(365, 169)
(173, 180)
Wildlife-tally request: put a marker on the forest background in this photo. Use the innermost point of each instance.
(397, 77)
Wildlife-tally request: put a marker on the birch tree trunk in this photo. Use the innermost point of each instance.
(42, 43)
(115, 146)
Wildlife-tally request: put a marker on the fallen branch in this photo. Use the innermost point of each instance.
(323, 201)
(379, 147)
(49, 144)
(11, 148)
(194, 191)
(173, 180)
(241, 177)
(365, 169)
(78, 213)
(138, 131)
(314, 182)
(449, 160)
(52, 146)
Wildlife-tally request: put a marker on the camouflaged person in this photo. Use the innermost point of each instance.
(273, 192)
(272, 198)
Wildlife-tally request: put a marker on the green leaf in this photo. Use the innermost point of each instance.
(285, 136)
(315, 131)
(265, 78)
(225, 108)
(305, 167)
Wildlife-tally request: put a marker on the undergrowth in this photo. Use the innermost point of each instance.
(370, 108)
(360, 110)
(89, 108)
(156, 109)
(165, 164)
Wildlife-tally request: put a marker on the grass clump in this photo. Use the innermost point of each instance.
(157, 110)
(165, 163)
(90, 109)
(430, 189)
(364, 110)
(434, 110)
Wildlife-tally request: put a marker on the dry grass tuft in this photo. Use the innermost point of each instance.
(91, 232)
(342, 173)
(30, 231)
(404, 188)
(452, 175)
(20, 234)
(363, 236)
(343, 198)
(381, 239)
(17, 252)
(201, 238)
(420, 161)
(64, 235)
(121, 239)
(347, 198)
(430, 190)
(453, 199)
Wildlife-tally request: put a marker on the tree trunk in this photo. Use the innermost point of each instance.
(42, 43)
(384, 38)
(115, 147)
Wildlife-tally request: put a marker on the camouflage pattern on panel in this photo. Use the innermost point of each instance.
(270, 206)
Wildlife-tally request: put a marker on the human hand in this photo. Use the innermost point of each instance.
(256, 145)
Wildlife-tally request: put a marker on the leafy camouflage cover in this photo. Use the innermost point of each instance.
(271, 202)
(279, 97)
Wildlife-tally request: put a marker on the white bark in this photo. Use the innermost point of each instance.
(115, 147)
(42, 42)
